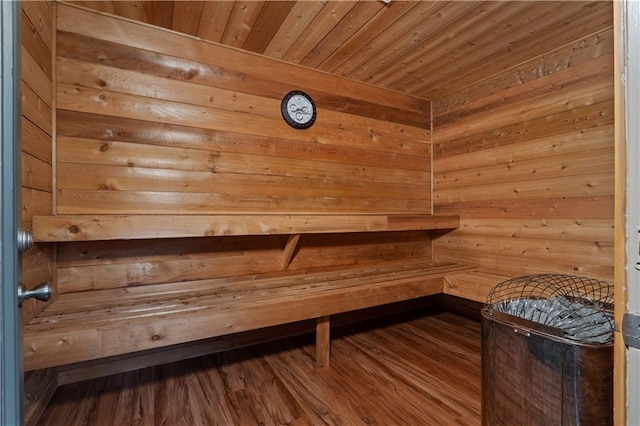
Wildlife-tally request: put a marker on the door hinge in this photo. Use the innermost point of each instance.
(631, 330)
(24, 240)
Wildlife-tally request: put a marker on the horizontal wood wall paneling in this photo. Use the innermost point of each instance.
(125, 178)
(515, 266)
(36, 174)
(139, 156)
(474, 285)
(600, 207)
(35, 78)
(576, 252)
(185, 131)
(85, 253)
(157, 272)
(591, 123)
(327, 250)
(111, 265)
(35, 203)
(36, 121)
(516, 143)
(37, 268)
(81, 125)
(526, 158)
(78, 201)
(139, 36)
(41, 19)
(225, 148)
(33, 41)
(595, 184)
(586, 230)
(129, 106)
(574, 97)
(36, 109)
(37, 264)
(558, 166)
(36, 162)
(572, 56)
(35, 141)
(96, 76)
(172, 271)
(527, 87)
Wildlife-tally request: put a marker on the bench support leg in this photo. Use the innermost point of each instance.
(323, 341)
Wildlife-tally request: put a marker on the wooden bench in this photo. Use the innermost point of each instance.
(474, 283)
(78, 328)
(91, 325)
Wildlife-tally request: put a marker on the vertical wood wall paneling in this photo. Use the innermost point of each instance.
(526, 159)
(37, 124)
(162, 123)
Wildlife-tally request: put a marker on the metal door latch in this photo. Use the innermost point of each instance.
(41, 292)
(631, 330)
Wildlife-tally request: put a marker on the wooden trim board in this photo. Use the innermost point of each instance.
(130, 227)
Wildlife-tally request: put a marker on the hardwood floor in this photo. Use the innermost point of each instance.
(403, 370)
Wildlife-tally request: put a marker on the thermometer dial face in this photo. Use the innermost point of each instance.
(298, 110)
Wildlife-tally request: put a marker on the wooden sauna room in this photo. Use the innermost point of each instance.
(292, 212)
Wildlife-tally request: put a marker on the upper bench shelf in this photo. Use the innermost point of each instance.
(134, 227)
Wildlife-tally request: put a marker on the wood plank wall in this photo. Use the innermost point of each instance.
(37, 25)
(154, 122)
(526, 159)
(37, 129)
(204, 132)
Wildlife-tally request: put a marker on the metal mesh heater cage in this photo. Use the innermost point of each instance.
(547, 351)
(578, 308)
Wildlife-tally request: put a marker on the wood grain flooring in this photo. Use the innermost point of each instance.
(417, 369)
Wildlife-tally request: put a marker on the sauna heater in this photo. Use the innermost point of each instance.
(547, 352)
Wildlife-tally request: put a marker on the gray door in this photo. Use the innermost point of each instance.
(11, 374)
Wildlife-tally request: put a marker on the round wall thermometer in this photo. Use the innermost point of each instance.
(298, 109)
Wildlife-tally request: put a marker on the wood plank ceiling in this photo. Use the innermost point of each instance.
(425, 48)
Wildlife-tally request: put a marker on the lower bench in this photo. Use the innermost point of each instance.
(80, 327)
